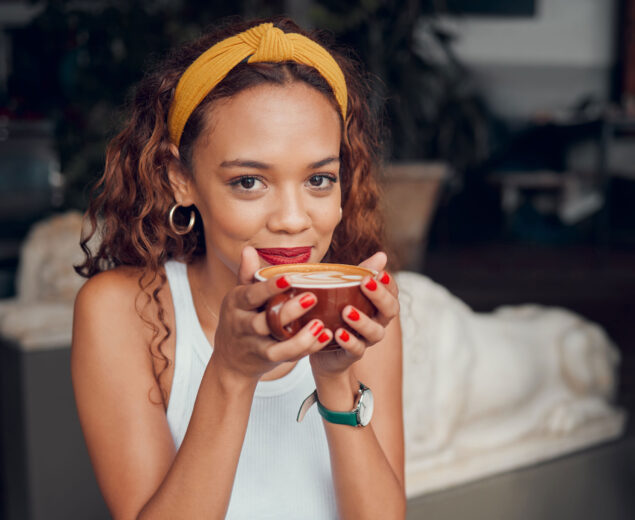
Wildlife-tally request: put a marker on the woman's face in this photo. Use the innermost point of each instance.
(266, 174)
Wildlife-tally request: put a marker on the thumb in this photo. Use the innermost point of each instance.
(376, 262)
(249, 264)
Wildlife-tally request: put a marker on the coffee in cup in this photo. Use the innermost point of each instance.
(334, 285)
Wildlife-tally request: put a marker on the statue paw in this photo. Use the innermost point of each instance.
(571, 415)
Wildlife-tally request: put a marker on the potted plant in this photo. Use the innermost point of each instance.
(437, 123)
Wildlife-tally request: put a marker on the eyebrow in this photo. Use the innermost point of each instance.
(248, 163)
(324, 162)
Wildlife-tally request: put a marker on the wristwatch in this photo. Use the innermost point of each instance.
(360, 415)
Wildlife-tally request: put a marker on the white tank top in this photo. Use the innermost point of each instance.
(284, 471)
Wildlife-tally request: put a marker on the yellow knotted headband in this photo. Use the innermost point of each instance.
(263, 43)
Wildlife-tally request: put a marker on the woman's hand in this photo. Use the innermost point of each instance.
(382, 291)
(243, 344)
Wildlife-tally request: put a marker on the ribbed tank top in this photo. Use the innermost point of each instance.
(284, 471)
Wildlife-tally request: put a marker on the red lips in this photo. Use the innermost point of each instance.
(285, 255)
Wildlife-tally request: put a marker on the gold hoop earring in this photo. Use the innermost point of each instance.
(182, 231)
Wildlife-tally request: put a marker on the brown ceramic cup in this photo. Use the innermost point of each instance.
(334, 285)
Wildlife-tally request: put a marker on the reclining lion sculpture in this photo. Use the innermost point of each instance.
(489, 392)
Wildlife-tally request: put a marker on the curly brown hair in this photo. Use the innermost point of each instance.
(131, 200)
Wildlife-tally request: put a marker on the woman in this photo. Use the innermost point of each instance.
(244, 146)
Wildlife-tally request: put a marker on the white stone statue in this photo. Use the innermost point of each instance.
(489, 392)
(41, 315)
(483, 393)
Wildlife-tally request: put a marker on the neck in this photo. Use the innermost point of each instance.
(212, 280)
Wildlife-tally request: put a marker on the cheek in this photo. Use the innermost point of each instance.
(232, 221)
(325, 215)
(228, 229)
(328, 220)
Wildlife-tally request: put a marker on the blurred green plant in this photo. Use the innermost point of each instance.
(75, 63)
(432, 106)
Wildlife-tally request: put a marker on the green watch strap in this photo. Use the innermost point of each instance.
(348, 418)
(351, 418)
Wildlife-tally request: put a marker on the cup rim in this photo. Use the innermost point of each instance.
(371, 272)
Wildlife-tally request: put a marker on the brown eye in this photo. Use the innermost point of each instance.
(247, 182)
(321, 183)
(317, 180)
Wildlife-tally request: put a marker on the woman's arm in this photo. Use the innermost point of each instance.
(368, 462)
(124, 422)
(199, 482)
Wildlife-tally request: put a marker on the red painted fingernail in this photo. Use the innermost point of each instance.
(323, 337)
(353, 315)
(385, 279)
(371, 285)
(306, 301)
(282, 282)
(316, 328)
(344, 336)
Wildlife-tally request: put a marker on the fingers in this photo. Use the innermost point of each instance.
(370, 329)
(351, 344)
(377, 262)
(291, 310)
(311, 338)
(254, 295)
(249, 264)
(382, 292)
(387, 281)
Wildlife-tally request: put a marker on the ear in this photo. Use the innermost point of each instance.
(181, 181)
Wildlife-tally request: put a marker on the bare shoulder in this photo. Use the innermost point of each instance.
(114, 299)
(116, 287)
(117, 394)
(112, 283)
(115, 324)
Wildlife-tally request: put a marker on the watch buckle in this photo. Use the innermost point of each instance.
(306, 404)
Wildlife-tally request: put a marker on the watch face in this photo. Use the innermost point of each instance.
(366, 405)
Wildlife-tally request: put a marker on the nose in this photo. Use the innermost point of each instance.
(289, 213)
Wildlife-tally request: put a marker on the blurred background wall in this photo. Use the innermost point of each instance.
(563, 54)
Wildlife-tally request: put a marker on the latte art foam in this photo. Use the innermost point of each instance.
(317, 276)
(322, 278)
